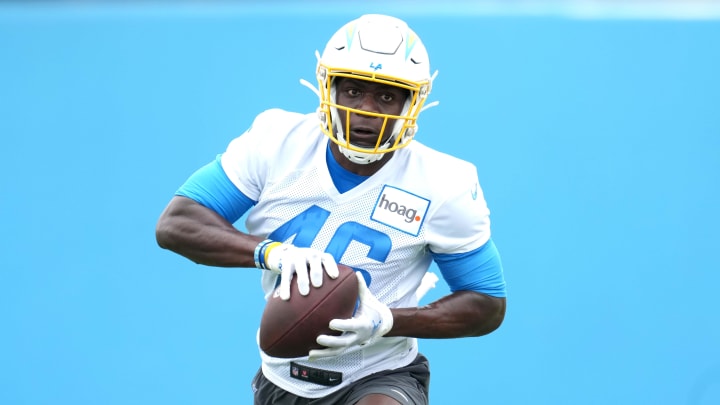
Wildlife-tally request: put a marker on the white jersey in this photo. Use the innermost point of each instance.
(420, 201)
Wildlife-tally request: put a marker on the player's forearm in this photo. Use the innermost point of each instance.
(202, 236)
(461, 314)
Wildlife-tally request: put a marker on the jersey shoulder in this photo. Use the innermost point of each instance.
(441, 170)
(275, 122)
(435, 155)
(275, 133)
(278, 141)
(457, 214)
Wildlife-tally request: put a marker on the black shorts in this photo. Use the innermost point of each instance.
(407, 385)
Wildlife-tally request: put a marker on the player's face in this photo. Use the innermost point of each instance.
(364, 130)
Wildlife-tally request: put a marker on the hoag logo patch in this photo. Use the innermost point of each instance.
(400, 209)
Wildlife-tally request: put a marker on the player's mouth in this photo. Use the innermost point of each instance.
(364, 136)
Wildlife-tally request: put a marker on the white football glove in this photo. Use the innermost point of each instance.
(287, 260)
(372, 320)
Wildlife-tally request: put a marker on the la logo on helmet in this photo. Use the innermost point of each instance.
(375, 67)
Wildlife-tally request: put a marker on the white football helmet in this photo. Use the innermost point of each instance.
(380, 49)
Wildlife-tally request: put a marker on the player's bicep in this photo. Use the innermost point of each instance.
(211, 187)
(478, 270)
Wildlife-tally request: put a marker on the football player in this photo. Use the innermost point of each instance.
(347, 184)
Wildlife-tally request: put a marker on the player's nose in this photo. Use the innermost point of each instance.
(369, 103)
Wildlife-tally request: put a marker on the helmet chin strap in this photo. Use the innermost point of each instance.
(360, 158)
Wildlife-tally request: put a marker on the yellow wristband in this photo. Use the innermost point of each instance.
(270, 247)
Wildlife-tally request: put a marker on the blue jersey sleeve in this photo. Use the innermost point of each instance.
(478, 270)
(212, 188)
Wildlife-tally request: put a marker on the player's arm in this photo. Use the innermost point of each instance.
(197, 223)
(200, 234)
(460, 314)
(475, 307)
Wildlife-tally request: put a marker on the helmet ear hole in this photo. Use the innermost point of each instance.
(322, 116)
(322, 74)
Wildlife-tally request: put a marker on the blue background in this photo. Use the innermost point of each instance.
(597, 141)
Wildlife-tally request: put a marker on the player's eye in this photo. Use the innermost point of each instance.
(352, 92)
(387, 97)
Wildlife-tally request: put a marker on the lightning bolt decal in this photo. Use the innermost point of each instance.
(409, 45)
(349, 34)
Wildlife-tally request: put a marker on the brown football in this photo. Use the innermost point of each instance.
(289, 328)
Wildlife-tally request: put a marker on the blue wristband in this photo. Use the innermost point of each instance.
(259, 255)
